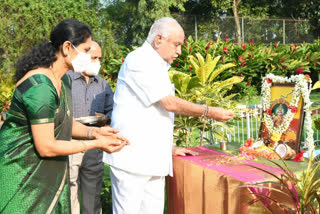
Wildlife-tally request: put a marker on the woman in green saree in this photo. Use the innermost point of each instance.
(35, 138)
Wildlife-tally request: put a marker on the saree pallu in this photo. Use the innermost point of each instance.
(28, 182)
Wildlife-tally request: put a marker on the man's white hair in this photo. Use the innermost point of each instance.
(160, 27)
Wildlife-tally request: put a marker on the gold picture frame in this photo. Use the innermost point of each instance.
(281, 95)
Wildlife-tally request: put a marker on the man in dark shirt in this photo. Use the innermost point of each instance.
(90, 93)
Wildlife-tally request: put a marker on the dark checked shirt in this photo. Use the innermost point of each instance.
(87, 99)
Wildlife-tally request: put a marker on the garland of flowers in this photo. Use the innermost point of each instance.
(302, 88)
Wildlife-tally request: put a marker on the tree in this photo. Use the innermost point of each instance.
(132, 18)
(236, 18)
(24, 24)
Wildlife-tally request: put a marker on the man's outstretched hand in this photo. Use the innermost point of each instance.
(182, 151)
(220, 114)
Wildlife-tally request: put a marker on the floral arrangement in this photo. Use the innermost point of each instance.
(302, 89)
(257, 149)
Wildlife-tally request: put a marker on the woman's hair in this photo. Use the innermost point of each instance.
(44, 54)
(160, 27)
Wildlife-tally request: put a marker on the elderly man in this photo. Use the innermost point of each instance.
(144, 104)
(90, 93)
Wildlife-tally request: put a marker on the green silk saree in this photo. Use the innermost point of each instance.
(28, 182)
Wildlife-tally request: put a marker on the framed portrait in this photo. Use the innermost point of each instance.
(281, 95)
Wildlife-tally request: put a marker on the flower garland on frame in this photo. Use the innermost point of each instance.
(302, 88)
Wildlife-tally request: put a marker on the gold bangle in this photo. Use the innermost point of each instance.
(84, 145)
(89, 133)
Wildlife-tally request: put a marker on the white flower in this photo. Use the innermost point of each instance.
(302, 89)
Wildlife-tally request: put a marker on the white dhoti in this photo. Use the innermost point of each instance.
(136, 194)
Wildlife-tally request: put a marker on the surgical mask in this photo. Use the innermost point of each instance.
(81, 61)
(93, 69)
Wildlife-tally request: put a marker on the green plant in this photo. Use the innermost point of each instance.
(106, 197)
(6, 93)
(203, 89)
(302, 189)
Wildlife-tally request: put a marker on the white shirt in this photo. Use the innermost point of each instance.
(142, 82)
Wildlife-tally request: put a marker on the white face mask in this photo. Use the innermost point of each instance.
(81, 61)
(93, 69)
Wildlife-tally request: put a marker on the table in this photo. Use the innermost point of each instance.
(215, 182)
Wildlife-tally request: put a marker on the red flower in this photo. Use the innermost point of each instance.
(243, 45)
(225, 49)
(299, 156)
(252, 42)
(291, 46)
(293, 109)
(248, 83)
(249, 43)
(267, 51)
(223, 57)
(252, 55)
(282, 60)
(177, 64)
(271, 68)
(308, 77)
(190, 68)
(268, 80)
(269, 111)
(103, 73)
(190, 49)
(275, 44)
(226, 38)
(122, 59)
(299, 70)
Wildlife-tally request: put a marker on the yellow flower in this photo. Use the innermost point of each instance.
(275, 136)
